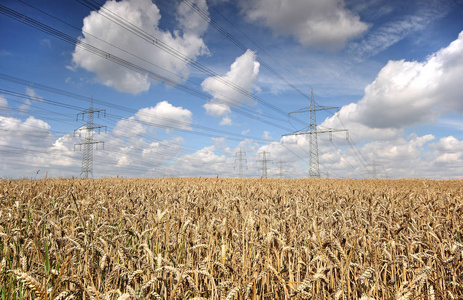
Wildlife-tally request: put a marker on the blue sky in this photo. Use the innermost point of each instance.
(187, 84)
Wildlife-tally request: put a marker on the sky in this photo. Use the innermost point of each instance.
(218, 88)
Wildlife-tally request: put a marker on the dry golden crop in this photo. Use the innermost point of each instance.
(213, 238)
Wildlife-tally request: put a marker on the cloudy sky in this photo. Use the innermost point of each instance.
(184, 87)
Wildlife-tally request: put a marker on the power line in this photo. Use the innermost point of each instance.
(120, 21)
(76, 44)
(182, 125)
(240, 45)
(136, 68)
(240, 110)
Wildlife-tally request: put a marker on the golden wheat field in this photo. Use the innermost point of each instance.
(214, 238)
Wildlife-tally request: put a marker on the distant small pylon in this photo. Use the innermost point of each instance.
(88, 141)
(281, 164)
(240, 154)
(264, 161)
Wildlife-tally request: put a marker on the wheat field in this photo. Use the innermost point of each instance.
(214, 238)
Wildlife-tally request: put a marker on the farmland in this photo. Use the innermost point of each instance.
(214, 238)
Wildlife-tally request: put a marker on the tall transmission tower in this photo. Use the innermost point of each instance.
(264, 161)
(88, 141)
(281, 164)
(375, 172)
(240, 159)
(385, 173)
(313, 131)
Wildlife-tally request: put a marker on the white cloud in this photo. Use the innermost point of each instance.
(266, 136)
(3, 104)
(320, 24)
(408, 93)
(31, 132)
(204, 162)
(402, 149)
(448, 144)
(217, 109)
(23, 108)
(165, 114)
(347, 117)
(398, 29)
(225, 89)
(190, 22)
(226, 121)
(145, 15)
(26, 146)
(219, 142)
(163, 150)
(449, 158)
(33, 95)
(129, 127)
(129, 149)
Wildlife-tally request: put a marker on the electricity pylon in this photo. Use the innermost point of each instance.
(240, 160)
(88, 141)
(313, 131)
(280, 173)
(264, 161)
(375, 173)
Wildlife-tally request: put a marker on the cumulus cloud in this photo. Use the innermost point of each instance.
(406, 93)
(217, 109)
(267, 136)
(129, 127)
(448, 154)
(165, 114)
(401, 150)
(31, 132)
(448, 144)
(3, 104)
(24, 108)
(33, 95)
(25, 145)
(411, 156)
(225, 89)
(204, 162)
(226, 121)
(319, 24)
(145, 15)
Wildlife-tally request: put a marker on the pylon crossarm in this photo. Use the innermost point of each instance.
(308, 109)
(302, 110)
(319, 107)
(88, 142)
(314, 132)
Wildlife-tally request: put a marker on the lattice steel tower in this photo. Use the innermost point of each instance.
(264, 161)
(281, 164)
(88, 141)
(314, 166)
(240, 154)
